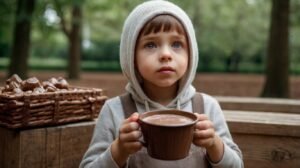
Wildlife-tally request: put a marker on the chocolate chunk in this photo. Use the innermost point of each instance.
(18, 91)
(38, 90)
(14, 78)
(62, 83)
(47, 84)
(30, 84)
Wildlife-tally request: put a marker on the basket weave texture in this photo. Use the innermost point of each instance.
(50, 108)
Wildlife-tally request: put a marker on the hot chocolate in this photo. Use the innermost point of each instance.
(168, 134)
(168, 119)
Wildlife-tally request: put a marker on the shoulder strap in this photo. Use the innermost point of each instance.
(128, 104)
(198, 107)
(198, 103)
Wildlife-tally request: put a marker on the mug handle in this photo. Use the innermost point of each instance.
(142, 138)
(143, 143)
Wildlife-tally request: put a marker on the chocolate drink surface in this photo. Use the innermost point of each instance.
(168, 119)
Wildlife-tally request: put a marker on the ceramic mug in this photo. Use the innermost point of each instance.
(168, 134)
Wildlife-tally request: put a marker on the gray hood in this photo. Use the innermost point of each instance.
(132, 26)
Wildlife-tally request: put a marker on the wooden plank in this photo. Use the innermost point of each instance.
(9, 143)
(259, 104)
(53, 147)
(2, 144)
(61, 146)
(280, 124)
(262, 151)
(75, 140)
(32, 148)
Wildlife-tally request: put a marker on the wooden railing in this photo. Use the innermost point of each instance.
(267, 130)
(259, 104)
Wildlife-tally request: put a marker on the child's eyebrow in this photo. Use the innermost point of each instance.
(155, 36)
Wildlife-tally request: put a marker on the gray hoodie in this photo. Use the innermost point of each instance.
(111, 116)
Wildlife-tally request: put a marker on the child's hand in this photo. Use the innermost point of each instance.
(128, 141)
(129, 135)
(205, 136)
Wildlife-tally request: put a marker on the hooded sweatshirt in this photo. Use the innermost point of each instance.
(111, 115)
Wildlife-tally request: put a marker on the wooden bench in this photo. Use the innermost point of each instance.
(259, 104)
(266, 129)
(266, 139)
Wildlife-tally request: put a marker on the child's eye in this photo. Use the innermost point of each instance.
(150, 45)
(177, 44)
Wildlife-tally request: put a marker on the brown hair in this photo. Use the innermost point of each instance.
(163, 23)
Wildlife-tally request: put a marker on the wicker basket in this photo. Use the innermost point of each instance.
(50, 108)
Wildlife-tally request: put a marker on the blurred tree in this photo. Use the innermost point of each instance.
(230, 33)
(73, 33)
(225, 30)
(7, 13)
(277, 68)
(294, 34)
(21, 40)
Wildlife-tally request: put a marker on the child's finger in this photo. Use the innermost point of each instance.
(129, 127)
(132, 147)
(201, 117)
(132, 118)
(203, 125)
(132, 136)
(203, 142)
(203, 134)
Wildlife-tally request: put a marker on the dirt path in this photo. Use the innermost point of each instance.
(213, 84)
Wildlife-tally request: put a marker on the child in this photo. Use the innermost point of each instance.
(159, 56)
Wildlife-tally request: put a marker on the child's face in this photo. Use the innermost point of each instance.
(162, 58)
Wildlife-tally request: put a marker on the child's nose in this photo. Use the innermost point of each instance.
(166, 54)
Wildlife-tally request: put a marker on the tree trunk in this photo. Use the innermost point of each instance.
(21, 42)
(233, 61)
(74, 36)
(75, 43)
(277, 68)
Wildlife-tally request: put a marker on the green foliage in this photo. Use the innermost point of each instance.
(7, 9)
(102, 51)
(223, 28)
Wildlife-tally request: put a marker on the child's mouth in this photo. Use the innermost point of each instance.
(166, 70)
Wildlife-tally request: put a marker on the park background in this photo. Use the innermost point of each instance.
(248, 50)
(236, 37)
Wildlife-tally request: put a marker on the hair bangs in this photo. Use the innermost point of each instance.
(163, 23)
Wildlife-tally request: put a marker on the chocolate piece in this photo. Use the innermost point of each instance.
(11, 87)
(15, 85)
(8, 88)
(38, 90)
(29, 92)
(62, 83)
(18, 91)
(47, 84)
(51, 89)
(30, 84)
(53, 81)
(14, 78)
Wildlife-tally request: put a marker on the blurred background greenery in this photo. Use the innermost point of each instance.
(232, 35)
